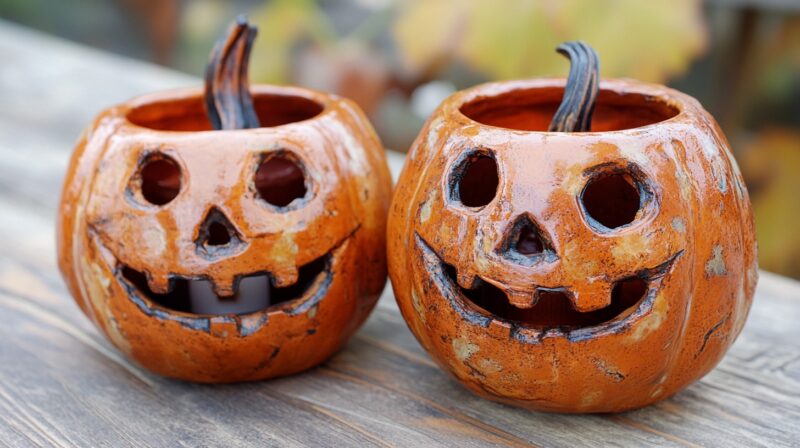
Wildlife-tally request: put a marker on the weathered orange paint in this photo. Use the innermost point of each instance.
(691, 244)
(104, 226)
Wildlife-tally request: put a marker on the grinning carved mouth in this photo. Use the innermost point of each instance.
(198, 306)
(552, 312)
(314, 280)
(252, 292)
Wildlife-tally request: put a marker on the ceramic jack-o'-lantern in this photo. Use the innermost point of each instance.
(238, 241)
(582, 262)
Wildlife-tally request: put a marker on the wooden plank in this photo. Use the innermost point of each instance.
(62, 384)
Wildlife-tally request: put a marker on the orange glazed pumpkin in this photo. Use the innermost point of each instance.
(226, 255)
(573, 272)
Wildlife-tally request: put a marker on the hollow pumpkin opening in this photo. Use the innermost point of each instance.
(611, 199)
(532, 109)
(189, 114)
(553, 308)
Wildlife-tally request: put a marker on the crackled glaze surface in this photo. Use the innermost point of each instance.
(691, 243)
(105, 227)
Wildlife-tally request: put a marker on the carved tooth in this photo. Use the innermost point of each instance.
(285, 276)
(158, 283)
(224, 287)
(467, 278)
(520, 299)
(591, 296)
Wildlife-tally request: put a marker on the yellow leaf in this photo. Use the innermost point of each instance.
(281, 25)
(649, 40)
(428, 31)
(770, 165)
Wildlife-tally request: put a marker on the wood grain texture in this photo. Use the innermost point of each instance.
(62, 384)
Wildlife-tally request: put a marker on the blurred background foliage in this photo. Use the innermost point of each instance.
(399, 59)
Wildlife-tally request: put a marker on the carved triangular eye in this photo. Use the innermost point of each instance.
(524, 241)
(217, 236)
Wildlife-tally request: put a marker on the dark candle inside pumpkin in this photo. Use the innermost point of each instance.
(253, 294)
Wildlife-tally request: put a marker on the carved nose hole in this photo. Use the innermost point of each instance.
(529, 242)
(217, 236)
(524, 241)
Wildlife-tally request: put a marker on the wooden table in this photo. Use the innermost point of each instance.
(62, 384)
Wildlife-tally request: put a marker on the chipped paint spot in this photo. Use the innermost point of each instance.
(105, 282)
(482, 262)
(713, 154)
(464, 349)
(652, 321)
(357, 161)
(488, 365)
(741, 308)
(590, 398)
(716, 264)
(425, 212)
(445, 233)
(679, 225)
(685, 186)
(708, 146)
(312, 312)
(470, 130)
(637, 153)
(154, 240)
(433, 133)
(576, 262)
(573, 180)
(417, 303)
(97, 284)
(631, 246)
(657, 392)
(752, 273)
(722, 181)
(284, 251)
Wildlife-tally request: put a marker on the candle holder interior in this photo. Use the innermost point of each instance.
(188, 114)
(532, 109)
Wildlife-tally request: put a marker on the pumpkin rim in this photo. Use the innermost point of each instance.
(126, 111)
(684, 106)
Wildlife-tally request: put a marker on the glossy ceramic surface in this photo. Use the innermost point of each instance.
(121, 254)
(581, 316)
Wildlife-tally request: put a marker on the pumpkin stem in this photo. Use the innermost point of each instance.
(580, 95)
(227, 91)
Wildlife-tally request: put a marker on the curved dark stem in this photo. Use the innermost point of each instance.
(580, 95)
(227, 94)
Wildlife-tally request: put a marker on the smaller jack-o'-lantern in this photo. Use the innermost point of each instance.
(596, 265)
(238, 243)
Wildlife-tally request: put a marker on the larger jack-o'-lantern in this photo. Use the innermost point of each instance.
(572, 271)
(237, 242)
